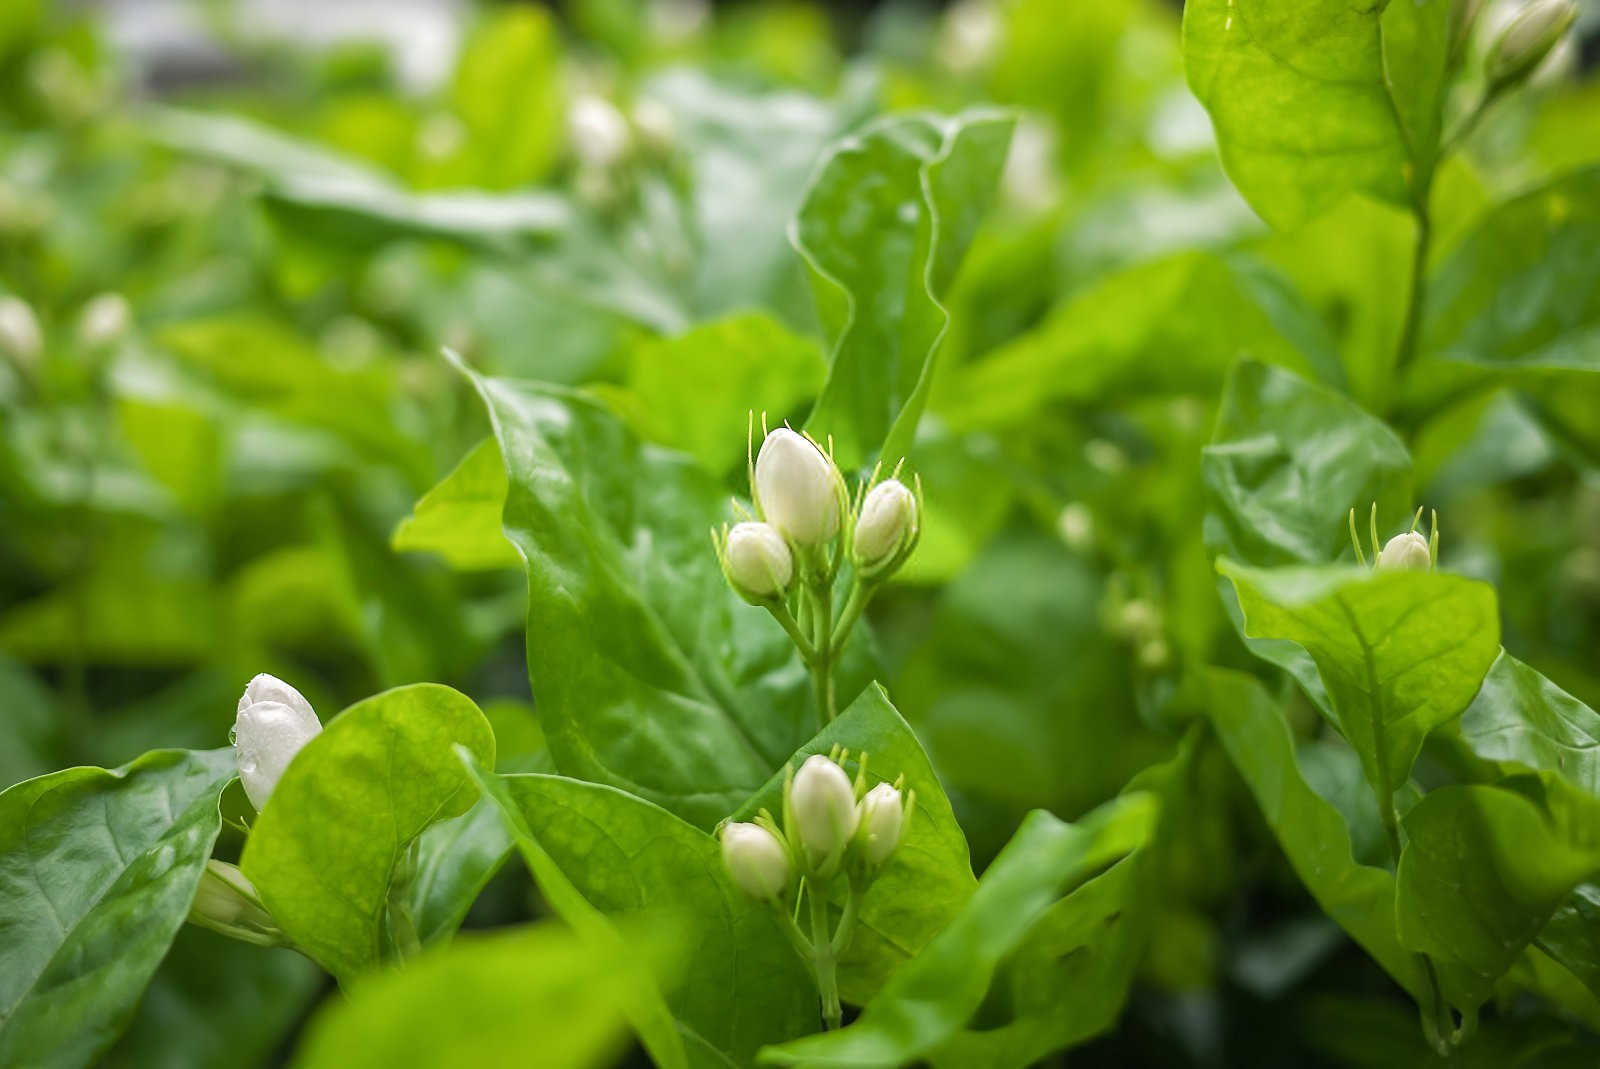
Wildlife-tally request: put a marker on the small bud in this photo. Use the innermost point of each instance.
(882, 820)
(226, 902)
(1527, 39)
(600, 135)
(755, 859)
(1406, 552)
(797, 488)
(757, 561)
(104, 320)
(20, 337)
(823, 804)
(274, 723)
(886, 527)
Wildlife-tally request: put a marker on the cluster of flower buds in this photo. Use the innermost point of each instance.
(274, 724)
(1407, 551)
(833, 828)
(787, 556)
(831, 824)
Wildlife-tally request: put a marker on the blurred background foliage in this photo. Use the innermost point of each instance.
(235, 236)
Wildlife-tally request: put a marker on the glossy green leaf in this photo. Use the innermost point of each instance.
(696, 392)
(1483, 870)
(648, 672)
(1522, 292)
(1312, 833)
(884, 227)
(600, 854)
(1400, 652)
(929, 998)
(929, 878)
(456, 859)
(1572, 935)
(1070, 978)
(539, 994)
(1315, 100)
(97, 872)
(324, 852)
(1112, 339)
(459, 519)
(1520, 718)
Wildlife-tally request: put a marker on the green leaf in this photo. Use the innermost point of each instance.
(649, 673)
(1287, 461)
(927, 1000)
(1311, 831)
(535, 995)
(598, 853)
(884, 227)
(508, 90)
(324, 852)
(1315, 99)
(1113, 339)
(696, 392)
(1522, 719)
(216, 1001)
(929, 878)
(1070, 977)
(1484, 869)
(456, 859)
(1522, 292)
(1400, 652)
(459, 519)
(97, 872)
(1572, 935)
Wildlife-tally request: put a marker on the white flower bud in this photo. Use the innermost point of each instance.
(797, 488)
(755, 859)
(882, 820)
(20, 336)
(758, 561)
(823, 804)
(887, 524)
(1527, 39)
(1406, 552)
(104, 320)
(274, 723)
(600, 135)
(227, 902)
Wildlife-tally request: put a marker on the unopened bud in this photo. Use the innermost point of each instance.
(226, 902)
(1406, 552)
(20, 337)
(757, 561)
(600, 136)
(274, 723)
(822, 803)
(1527, 39)
(886, 528)
(104, 320)
(882, 821)
(755, 859)
(797, 488)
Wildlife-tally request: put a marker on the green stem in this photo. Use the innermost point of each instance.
(823, 960)
(822, 664)
(847, 922)
(781, 613)
(1407, 350)
(857, 601)
(797, 938)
